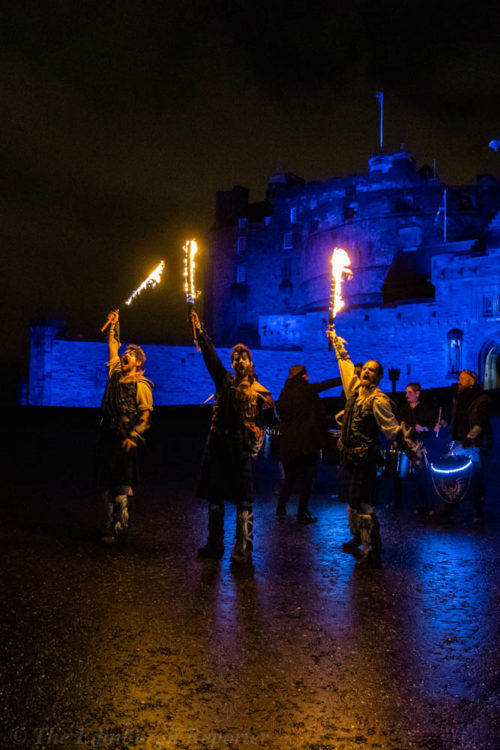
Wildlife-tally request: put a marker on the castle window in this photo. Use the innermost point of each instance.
(405, 203)
(267, 220)
(351, 211)
(241, 273)
(293, 214)
(241, 245)
(288, 241)
(455, 337)
(491, 306)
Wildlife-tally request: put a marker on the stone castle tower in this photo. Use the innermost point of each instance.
(425, 293)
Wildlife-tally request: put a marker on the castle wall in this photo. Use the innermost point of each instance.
(78, 373)
(268, 282)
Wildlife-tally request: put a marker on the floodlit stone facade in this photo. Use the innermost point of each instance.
(424, 298)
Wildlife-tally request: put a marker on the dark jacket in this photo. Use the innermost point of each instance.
(472, 406)
(421, 414)
(302, 421)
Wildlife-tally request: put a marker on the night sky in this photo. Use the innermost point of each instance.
(121, 119)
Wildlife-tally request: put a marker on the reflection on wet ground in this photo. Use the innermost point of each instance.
(145, 646)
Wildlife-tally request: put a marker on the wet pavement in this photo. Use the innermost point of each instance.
(145, 646)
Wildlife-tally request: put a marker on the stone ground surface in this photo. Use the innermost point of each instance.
(143, 646)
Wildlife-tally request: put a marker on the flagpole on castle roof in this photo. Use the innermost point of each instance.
(380, 97)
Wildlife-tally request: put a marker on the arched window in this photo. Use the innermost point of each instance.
(455, 337)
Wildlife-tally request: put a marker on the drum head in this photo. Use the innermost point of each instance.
(451, 477)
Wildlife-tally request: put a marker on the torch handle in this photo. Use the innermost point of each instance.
(190, 310)
(331, 312)
(108, 322)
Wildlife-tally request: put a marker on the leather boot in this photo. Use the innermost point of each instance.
(214, 547)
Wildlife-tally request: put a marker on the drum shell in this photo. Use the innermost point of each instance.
(451, 477)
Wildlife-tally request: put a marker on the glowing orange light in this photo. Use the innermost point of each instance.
(190, 250)
(340, 270)
(152, 280)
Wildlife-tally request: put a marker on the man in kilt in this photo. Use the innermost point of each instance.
(126, 407)
(243, 409)
(367, 411)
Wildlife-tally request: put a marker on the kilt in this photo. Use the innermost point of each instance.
(113, 466)
(226, 470)
(357, 481)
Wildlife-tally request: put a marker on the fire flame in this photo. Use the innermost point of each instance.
(340, 269)
(190, 250)
(152, 280)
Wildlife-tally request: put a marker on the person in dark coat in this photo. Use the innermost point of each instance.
(243, 409)
(303, 434)
(420, 418)
(471, 432)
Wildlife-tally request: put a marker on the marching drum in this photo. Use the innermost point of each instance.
(451, 477)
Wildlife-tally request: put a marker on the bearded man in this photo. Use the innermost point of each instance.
(367, 412)
(243, 409)
(126, 407)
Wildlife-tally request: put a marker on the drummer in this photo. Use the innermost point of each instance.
(417, 415)
(471, 429)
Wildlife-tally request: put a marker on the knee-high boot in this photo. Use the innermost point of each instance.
(117, 517)
(370, 539)
(353, 518)
(243, 546)
(215, 542)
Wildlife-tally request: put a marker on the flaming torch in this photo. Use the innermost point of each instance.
(152, 280)
(340, 270)
(190, 250)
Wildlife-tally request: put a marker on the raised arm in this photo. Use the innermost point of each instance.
(350, 380)
(212, 361)
(113, 334)
(325, 385)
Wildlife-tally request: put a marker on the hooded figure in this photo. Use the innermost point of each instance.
(303, 434)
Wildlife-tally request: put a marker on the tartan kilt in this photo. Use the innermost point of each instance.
(357, 481)
(226, 470)
(113, 465)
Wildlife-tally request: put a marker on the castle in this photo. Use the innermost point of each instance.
(424, 298)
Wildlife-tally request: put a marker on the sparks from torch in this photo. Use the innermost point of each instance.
(190, 250)
(340, 270)
(152, 280)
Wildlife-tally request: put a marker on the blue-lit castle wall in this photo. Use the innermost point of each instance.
(416, 303)
(74, 373)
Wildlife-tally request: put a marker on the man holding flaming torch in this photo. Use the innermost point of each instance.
(126, 407)
(243, 409)
(367, 411)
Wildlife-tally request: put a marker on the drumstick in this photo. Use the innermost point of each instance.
(439, 421)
